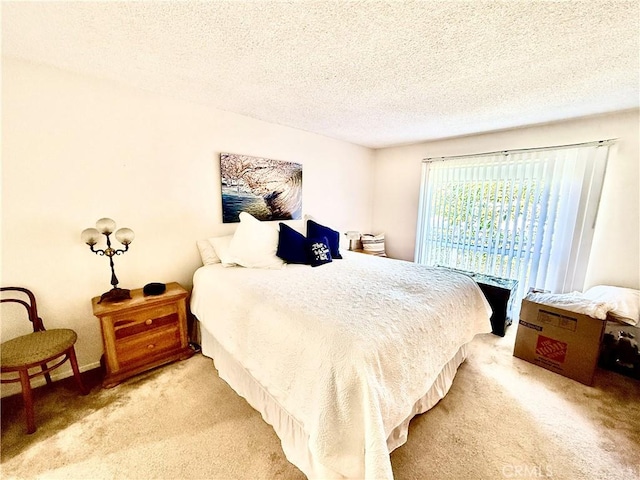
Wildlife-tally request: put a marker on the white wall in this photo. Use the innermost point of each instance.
(75, 149)
(615, 254)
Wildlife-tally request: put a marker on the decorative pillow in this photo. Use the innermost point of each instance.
(292, 245)
(323, 221)
(207, 252)
(373, 244)
(315, 230)
(318, 251)
(221, 249)
(624, 302)
(254, 244)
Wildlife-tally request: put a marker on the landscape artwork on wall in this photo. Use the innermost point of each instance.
(267, 189)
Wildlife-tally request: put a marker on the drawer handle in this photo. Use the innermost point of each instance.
(151, 346)
(149, 322)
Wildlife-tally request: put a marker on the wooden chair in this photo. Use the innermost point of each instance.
(35, 350)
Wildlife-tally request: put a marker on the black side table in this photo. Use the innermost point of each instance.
(500, 293)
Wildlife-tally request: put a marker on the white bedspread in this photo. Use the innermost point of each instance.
(346, 348)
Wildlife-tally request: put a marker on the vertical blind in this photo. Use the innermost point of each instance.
(527, 215)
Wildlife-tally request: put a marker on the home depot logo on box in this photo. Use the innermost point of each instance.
(552, 349)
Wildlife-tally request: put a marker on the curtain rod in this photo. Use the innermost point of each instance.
(598, 143)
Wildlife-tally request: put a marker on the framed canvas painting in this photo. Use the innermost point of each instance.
(267, 189)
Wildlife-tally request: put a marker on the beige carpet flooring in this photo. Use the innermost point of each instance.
(503, 418)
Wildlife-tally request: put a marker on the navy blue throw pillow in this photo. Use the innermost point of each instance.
(315, 230)
(318, 251)
(292, 246)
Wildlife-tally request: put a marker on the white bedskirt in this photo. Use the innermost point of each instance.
(295, 441)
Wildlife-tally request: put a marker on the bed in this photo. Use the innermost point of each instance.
(339, 358)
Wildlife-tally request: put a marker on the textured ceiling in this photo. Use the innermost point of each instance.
(374, 73)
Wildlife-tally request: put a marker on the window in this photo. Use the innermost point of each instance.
(526, 215)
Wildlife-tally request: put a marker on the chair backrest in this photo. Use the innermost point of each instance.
(25, 298)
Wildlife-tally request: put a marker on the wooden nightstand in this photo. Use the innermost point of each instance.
(143, 332)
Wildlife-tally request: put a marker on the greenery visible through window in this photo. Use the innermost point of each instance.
(484, 225)
(523, 215)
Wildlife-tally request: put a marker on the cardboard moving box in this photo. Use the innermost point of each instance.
(559, 340)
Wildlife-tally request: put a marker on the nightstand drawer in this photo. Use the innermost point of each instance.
(144, 321)
(140, 347)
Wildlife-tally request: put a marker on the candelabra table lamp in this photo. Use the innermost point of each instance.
(90, 236)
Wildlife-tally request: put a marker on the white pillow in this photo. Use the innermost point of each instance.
(207, 252)
(573, 302)
(221, 245)
(254, 244)
(625, 302)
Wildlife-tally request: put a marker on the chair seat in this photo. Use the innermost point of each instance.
(36, 347)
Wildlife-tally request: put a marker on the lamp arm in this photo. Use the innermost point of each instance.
(98, 252)
(120, 251)
(109, 251)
